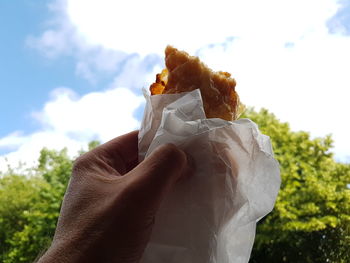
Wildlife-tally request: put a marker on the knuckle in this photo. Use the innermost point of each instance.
(79, 161)
(171, 152)
(80, 164)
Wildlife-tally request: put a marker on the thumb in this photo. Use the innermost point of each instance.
(153, 178)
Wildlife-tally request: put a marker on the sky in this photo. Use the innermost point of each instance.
(72, 71)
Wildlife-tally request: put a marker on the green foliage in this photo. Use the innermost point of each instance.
(93, 144)
(17, 194)
(29, 207)
(311, 219)
(310, 222)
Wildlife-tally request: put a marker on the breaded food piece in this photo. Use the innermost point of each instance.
(185, 73)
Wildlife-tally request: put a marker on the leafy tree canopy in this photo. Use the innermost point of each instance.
(29, 207)
(311, 218)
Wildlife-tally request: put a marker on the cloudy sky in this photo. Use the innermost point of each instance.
(72, 71)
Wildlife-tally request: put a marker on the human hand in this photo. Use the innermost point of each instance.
(111, 202)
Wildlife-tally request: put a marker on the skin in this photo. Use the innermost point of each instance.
(111, 202)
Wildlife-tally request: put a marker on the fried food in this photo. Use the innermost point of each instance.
(185, 73)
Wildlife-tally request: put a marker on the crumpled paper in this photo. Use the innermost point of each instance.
(210, 217)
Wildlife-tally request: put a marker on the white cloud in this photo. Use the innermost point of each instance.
(306, 85)
(147, 26)
(68, 120)
(13, 140)
(282, 55)
(29, 147)
(138, 72)
(340, 23)
(92, 61)
(61, 38)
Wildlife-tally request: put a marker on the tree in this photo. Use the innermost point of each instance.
(30, 205)
(311, 218)
(17, 195)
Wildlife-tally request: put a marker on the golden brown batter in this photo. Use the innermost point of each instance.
(185, 73)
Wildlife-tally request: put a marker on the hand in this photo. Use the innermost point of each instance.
(111, 202)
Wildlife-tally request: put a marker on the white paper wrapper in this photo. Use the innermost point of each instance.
(212, 216)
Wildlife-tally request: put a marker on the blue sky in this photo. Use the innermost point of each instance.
(26, 77)
(59, 58)
(340, 22)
